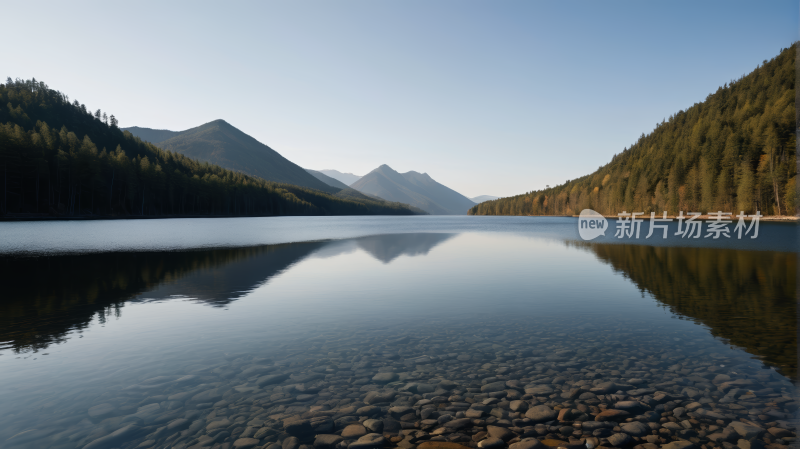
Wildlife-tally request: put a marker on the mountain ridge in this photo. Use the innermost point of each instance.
(220, 143)
(413, 188)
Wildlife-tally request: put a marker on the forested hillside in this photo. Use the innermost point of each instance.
(57, 157)
(733, 152)
(220, 143)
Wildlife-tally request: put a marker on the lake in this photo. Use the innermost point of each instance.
(368, 332)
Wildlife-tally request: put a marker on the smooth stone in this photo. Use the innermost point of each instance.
(384, 378)
(377, 396)
(290, 443)
(629, 406)
(399, 410)
(447, 384)
(441, 445)
(541, 413)
(492, 443)
(594, 425)
(540, 390)
(373, 425)
(518, 406)
(612, 415)
(777, 432)
(370, 440)
(680, 444)
(746, 431)
(354, 431)
(635, 429)
(297, 427)
(271, 379)
(458, 423)
(493, 387)
(554, 443)
(528, 443)
(473, 413)
(218, 424)
(566, 430)
(500, 432)
(619, 439)
(327, 441)
(245, 443)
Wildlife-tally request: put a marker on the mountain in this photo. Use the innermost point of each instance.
(222, 144)
(733, 152)
(154, 136)
(482, 198)
(346, 178)
(416, 189)
(327, 179)
(86, 166)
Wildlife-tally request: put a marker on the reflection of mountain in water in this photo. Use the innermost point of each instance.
(745, 297)
(386, 248)
(44, 298)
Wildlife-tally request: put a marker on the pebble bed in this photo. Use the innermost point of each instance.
(498, 385)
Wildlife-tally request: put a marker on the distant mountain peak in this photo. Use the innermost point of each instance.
(417, 189)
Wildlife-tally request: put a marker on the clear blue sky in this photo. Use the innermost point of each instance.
(487, 97)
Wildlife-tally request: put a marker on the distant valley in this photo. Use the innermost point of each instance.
(482, 198)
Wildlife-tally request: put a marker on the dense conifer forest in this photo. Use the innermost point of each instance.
(733, 152)
(59, 158)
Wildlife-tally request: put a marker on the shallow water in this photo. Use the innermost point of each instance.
(214, 347)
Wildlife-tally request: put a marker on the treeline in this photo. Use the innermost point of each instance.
(57, 157)
(733, 152)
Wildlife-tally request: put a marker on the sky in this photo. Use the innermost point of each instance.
(488, 98)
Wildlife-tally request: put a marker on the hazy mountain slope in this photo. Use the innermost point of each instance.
(482, 198)
(151, 135)
(346, 178)
(438, 193)
(222, 144)
(416, 189)
(327, 179)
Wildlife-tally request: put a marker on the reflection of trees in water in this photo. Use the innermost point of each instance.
(44, 298)
(745, 297)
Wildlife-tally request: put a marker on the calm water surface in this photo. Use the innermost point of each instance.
(392, 332)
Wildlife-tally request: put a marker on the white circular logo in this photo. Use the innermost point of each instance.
(591, 224)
